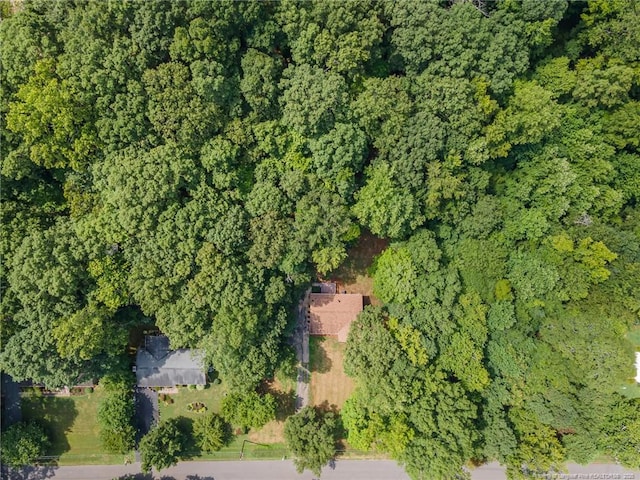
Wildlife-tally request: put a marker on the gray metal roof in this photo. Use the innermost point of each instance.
(158, 366)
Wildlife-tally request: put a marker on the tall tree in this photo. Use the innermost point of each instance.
(311, 436)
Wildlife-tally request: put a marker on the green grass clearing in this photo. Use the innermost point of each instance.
(634, 336)
(630, 391)
(211, 397)
(354, 274)
(73, 427)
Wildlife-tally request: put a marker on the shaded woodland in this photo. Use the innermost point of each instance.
(196, 164)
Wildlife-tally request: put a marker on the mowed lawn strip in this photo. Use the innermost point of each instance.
(329, 384)
(72, 423)
(634, 336)
(177, 403)
(631, 388)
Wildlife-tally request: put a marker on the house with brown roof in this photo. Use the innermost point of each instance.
(330, 314)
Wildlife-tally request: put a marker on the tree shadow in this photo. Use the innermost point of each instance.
(319, 361)
(285, 404)
(146, 411)
(198, 477)
(326, 407)
(185, 424)
(27, 473)
(56, 415)
(360, 258)
(339, 432)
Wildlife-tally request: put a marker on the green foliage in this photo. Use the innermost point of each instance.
(54, 129)
(518, 124)
(88, 333)
(311, 436)
(194, 164)
(622, 432)
(395, 276)
(386, 208)
(162, 446)
(249, 409)
(116, 413)
(211, 432)
(312, 100)
(23, 443)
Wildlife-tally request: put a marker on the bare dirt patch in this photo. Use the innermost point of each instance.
(272, 432)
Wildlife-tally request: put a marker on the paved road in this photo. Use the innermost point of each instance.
(594, 471)
(284, 470)
(235, 470)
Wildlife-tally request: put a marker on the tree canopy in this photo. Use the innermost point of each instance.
(193, 165)
(311, 436)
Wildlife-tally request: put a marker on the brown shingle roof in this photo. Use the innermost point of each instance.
(331, 314)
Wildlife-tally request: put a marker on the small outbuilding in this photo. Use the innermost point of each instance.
(159, 366)
(331, 314)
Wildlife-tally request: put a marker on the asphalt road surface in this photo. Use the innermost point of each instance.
(284, 470)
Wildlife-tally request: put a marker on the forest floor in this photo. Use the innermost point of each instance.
(354, 274)
(330, 386)
(73, 427)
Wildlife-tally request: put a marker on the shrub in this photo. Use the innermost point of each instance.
(249, 409)
(88, 390)
(200, 387)
(32, 391)
(197, 407)
(191, 387)
(115, 415)
(216, 381)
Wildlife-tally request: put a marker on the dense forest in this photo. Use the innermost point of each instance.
(195, 164)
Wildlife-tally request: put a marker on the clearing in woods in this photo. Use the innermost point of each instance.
(353, 275)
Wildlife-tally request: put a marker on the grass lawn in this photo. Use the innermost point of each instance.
(73, 427)
(211, 397)
(329, 386)
(266, 443)
(634, 336)
(630, 390)
(353, 275)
